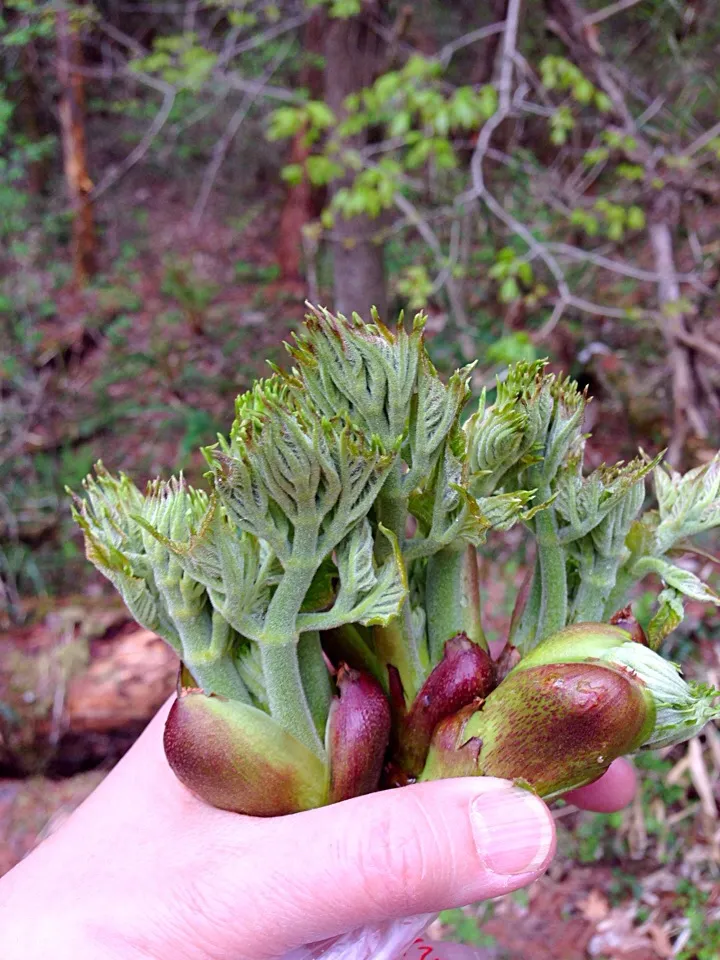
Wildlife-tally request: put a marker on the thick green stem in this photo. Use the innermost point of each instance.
(524, 629)
(279, 643)
(553, 575)
(396, 646)
(595, 589)
(452, 598)
(620, 593)
(391, 511)
(395, 643)
(286, 695)
(315, 678)
(218, 676)
(280, 620)
(205, 650)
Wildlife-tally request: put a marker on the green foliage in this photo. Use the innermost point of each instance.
(704, 940)
(414, 285)
(559, 73)
(513, 348)
(180, 60)
(411, 105)
(611, 219)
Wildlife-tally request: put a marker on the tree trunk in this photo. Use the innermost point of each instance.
(302, 202)
(72, 127)
(353, 59)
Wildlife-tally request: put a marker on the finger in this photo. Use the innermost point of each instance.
(613, 791)
(414, 850)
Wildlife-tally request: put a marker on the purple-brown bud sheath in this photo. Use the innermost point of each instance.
(235, 757)
(465, 673)
(358, 732)
(556, 726)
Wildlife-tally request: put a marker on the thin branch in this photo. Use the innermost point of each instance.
(231, 79)
(703, 140)
(547, 328)
(618, 266)
(258, 39)
(429, 236)
(446, 53)
(161, 117)
(479, 188)
(446, 271)
(481, 192)
(708, 347)
(223, 145)
(685, 412)
(592, 18)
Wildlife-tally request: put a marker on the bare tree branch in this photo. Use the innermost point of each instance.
(479, 191)
(618, 266)
(161, 117)
(703, 140)
(446, 53)
(592, 18)
(414, 217)
(223, 145)
(686, 413)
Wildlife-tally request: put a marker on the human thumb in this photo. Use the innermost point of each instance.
(387, 855)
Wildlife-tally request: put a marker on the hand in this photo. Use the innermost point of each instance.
(143, 869)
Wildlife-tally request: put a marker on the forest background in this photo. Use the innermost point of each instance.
(178, 176)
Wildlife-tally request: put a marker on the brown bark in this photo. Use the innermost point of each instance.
(303, 202)
(354, 55)
(68, 702)
(72, 125)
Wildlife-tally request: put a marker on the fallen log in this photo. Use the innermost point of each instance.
(76, 691)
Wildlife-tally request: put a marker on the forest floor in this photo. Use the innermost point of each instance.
(139, 370)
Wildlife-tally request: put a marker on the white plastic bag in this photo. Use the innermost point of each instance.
(397, 940)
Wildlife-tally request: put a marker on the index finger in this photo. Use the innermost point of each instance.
(613, 791)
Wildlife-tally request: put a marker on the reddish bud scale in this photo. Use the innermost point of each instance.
(358, 733)
(235, 757)
(556, 726)
(465, 673)
(625, 620)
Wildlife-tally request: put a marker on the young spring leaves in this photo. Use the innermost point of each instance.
(341, 528)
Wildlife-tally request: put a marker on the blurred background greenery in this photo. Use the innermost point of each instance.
(178, 176)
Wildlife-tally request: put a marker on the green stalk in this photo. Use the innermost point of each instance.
(620, 592)
(286, 695)
(279, 642)
(218, 676)
(452, 598)
(524, 620)
(553, 574)
(391, 511)
(595, 588)
(346, 644)
(315, 678)
(204, 652)
(395, 643)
